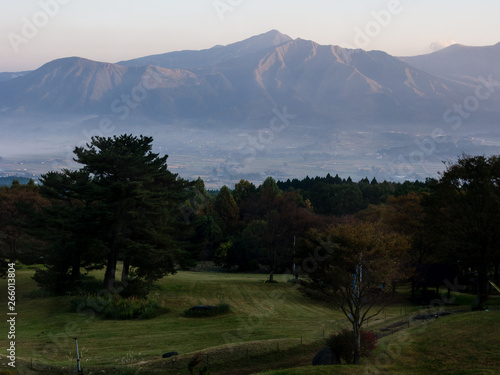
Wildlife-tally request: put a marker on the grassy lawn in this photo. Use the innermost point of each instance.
(259, 312)
(462, 343)
(264, 330)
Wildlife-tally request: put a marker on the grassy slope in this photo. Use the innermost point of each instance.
(266, 319)
(260, 311)
(465, 343)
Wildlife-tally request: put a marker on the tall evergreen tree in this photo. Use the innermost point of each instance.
(122, 205)
(140, 198)
(463, 216)
(70, 226)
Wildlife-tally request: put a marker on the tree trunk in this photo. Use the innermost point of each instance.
(357, 341)
(497, 273)
(125, 271)
(109, 276)
(482, 284)
(75, 270)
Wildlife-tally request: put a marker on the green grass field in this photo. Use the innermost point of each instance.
(259, 312)
(464, 343)
(270, 326)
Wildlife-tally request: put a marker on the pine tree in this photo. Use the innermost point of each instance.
(140, 198)
(122, 205)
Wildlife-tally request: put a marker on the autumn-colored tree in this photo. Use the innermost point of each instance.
(273, 232)
(227, 210)
(355, 266)
(405, 215)
(17, 204)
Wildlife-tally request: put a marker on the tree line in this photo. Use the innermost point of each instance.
(123, 209)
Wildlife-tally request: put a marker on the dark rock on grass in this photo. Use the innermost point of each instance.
(169, 354)
(202, 308)
(325, 357)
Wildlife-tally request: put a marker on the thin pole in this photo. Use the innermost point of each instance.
(78, 358)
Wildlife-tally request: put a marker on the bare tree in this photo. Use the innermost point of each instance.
(358, 265)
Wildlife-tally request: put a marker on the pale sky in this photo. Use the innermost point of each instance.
(33, 32)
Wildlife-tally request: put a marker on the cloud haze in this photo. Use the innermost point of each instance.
(436, 46)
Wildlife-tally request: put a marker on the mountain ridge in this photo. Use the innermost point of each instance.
(242, 82)
(459, 61)
(210, 56)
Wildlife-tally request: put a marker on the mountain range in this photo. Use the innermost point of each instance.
(243, 82)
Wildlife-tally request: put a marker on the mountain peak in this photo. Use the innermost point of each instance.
(272, 37)
(459, 61)
(214, 55)
(73, 61)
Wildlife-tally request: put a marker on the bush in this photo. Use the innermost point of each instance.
(86, 285)
(195, 361)
(117, 308)
(342, 344)
(221, 308)
(368, 343)
(135, 287)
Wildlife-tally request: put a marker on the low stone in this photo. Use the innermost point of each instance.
(169, 354)
(202, 308)
(325, 357)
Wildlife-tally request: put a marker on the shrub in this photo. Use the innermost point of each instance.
(135, 287)
(117, 308)
(87, 285)
(342, 344)
(195, 361)
(368, 343)
(221, 308)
